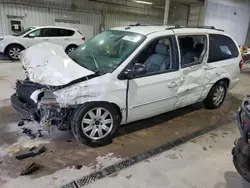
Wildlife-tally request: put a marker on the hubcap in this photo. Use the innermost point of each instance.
(15, 52)
(97, 123)
(219, 95)
(71, 50)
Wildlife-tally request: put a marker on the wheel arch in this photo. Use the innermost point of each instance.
(208, 87)
(116, 107)
(71, 45)
(225, 79)
(6, 48)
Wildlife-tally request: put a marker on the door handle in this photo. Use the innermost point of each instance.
(45, 39)
(210, 68)
(66, 39)
(172, 84)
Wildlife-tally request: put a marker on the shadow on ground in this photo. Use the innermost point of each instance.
(187, 114)
(233, 180)
(2, 57)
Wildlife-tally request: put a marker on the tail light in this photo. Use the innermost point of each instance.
(241, 64)
(84, 38)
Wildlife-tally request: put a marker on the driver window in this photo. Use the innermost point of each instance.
(158, 56)
(40, 32)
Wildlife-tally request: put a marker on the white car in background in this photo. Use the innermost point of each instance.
(12, 45)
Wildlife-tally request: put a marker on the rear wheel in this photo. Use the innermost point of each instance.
(95, 124)
(216, 95)
(70, 48)
(13, 51)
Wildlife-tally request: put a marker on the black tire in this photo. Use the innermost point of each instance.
(209, 102)
(240, 162)
(12, 48)
(76, 125)
(70, 48)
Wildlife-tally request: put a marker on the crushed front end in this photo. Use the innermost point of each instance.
(37, 102)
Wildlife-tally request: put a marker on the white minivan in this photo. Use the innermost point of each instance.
(68, 38)
(123, 75)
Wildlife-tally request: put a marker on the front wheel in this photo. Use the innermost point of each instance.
(13, 51)
(95, 124)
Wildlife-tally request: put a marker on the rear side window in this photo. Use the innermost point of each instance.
(192, 48)
(54, 32)
(221, 48)
(40, 32)
(65, 32)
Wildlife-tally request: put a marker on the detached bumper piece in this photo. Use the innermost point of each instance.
(26, 110)
(22, 102)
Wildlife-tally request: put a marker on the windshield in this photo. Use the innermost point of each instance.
(106, 51)
(23, 32)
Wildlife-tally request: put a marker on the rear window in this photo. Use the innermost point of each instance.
(221, 48)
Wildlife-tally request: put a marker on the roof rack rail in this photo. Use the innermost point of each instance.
(170, 25)
(173, 26)
(209, 27)
(139, 24)
(200, 27)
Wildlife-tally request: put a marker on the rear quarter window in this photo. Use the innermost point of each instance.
(65, 32)
(221, 48)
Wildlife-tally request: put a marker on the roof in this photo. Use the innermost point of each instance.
(146, 30)
(54, 27)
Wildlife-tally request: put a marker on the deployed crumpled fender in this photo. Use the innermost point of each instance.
(48, 64)
(102, 88)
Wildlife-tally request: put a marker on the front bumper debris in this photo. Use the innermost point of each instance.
(44, 109)
(26, 110)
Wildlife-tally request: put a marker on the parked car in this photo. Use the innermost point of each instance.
(12, 45)
(241, 150)
(123, 75)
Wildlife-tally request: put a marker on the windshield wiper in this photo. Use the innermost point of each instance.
(96, 64)
(79, 62)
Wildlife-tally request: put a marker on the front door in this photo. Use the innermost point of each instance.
(193, 53)
(154, 92)
(38, 35)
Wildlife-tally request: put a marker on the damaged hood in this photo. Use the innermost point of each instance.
(48, 64)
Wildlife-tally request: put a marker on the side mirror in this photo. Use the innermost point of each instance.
(138, 70)
(31, 35)
(128, 74)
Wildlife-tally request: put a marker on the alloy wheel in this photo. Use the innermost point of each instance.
(97, 123)
(71, 50)
(219, 95)
(15, 52)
